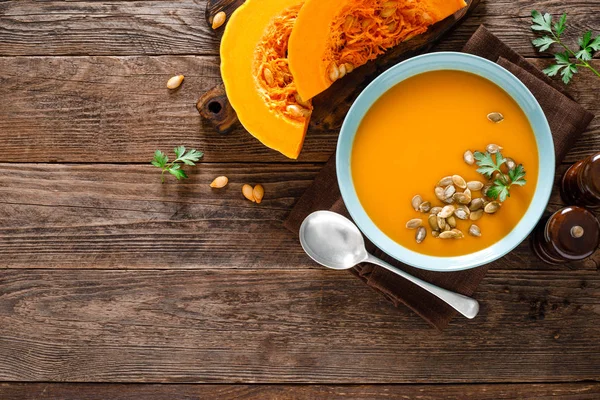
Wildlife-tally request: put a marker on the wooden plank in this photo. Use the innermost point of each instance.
(178, 27)
(117, 109)
(121, 216)
(298, 326)
(40, 391)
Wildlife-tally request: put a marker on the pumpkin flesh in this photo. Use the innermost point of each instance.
(258, 82)
(332, 37)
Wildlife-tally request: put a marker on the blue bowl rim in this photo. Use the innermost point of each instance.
(490, 71)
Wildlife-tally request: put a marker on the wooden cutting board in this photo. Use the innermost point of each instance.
(331, 106)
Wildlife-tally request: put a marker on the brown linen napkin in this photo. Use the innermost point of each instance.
(567, 120)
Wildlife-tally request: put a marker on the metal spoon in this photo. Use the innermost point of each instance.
(335, 242)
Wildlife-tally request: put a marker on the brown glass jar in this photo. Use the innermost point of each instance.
(570, 234)
(581, 183)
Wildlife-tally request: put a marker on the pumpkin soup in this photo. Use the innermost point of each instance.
(430, 163)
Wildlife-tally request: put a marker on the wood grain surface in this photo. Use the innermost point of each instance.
(106, 275)
(43, 391)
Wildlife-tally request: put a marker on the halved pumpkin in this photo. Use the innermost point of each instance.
(258, 82)
(332, 37)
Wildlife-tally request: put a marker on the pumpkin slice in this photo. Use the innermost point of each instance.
(332, 37)
(258, 82)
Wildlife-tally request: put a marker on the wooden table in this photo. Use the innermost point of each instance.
(108, 276)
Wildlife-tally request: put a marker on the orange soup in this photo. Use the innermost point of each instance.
(417, 133)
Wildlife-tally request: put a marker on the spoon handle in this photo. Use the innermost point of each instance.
(465, 305)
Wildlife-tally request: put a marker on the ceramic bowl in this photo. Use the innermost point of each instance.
(461, 62)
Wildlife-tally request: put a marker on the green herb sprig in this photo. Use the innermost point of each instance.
(492, 169)
(161, 160)
(587, 46)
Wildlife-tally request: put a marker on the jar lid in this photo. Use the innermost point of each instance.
(573, 232)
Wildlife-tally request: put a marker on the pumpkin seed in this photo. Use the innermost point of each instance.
(485, 188)
(175, 81)
(492, 207)
(219, 182)
(476, 204)
(459, 234)
(258, 192)
(342, 69)
(461, 213)
(414, 223)
(268, 75)
(495, 117)
(439, 193)
(218, 19)
(449, 200)
(421, 234)
(349, 67)
(447, 228)
(493, 148)
(441, 222)
(348, 22)
(387, 12)
(474, 185)
(448, 235)
(435, 234)
(476, 215)
(248, 193)
(449, 192)
(366, 23)
(297, 111)
(469, 157)
(334, 72)
(300, 101)
(425, 207)
(391, 27)
(474, 231)
(459, 181)
(435, 210)
(445, 181)
(510, 164)
(416, 202)
(433, 222)
(461, 198)
(446, 211)
(390, 4)
(451, 221)
(467, 192)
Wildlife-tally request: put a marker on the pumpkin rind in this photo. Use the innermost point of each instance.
(311, 44)
(243, 34)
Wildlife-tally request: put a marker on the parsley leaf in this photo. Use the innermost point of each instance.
(541, 22)
(492, 168)
(487, 164)
(161, 160)
(543, 43)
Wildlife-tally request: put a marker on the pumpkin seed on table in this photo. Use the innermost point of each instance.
(425, 207)
(474, 231)
(433, 222)
(258, 192)
(492, 207)
(495, 117)
(476, 204)
(421, 234)
(459, 181)
(476, 215)
(416, 202)
(469, 157)
(174, 82)
(219, 182)
(493, 148)
(219, 19)
(446, 211)
(474, 185)
(414, 223)
(248, 192)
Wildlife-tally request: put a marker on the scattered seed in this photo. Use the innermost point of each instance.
(476, 204)
(448, 235)
(476, 215)
(461, 198)
(416, 202)
(447, 228)
(268, 75)
(175, 81)
(493, 148)
(219, 182)
(248, 193)
(449, 200)
(425, 207)
(445, 181)
(439, 193)
(435, 210)
(446, 211)
(435, 234)
(474, 231)
(441, 222)
(459, 234)
(334, 72)
(433, 222)
(510, 164)
(421, 234)
(474, 185)
(461, 213)
(451, 221)
(414, 223)
(495, 117)
(219, 19)
(449, 191)
(258, 192)
(467, 193)
(492, 207)
(459, 181)
(469, 157)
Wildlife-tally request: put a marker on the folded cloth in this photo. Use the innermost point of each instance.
(567, 121)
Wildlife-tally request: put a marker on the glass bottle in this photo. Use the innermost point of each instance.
(581, 183)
